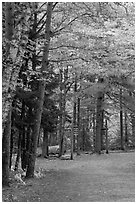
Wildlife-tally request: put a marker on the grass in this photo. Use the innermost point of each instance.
(88, 178)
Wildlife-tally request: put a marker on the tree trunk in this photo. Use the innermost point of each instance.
(133, 124)
(23, 149)
(28, 142)
(78, 124)
(11, 148)
(23, 138)
(72, 140)
(121, 121)
(63, 80)
(36, 128)
(106, 132)
(99, 123)
(74, 125)
(18, 152)
(102, 129)
(126, 130)
(61, 115)
(83, 138)
(6, 151)
(45, 152)
(6, 112)
(94, 130)
(75, 114)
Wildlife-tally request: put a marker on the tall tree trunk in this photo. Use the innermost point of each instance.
(102, 129)
(121, 121)
(23, 149)
(83, 138)
(45, 152)
(7, 124)
(6, 151)
(99, 123)
(106, 133)
(78, 124)
(36, 128)
(133, 127)
(133, 124)
(126, 129)
(23, 138)
(28, 142)
(63, 80)
(61, 115)
(75, 115)
(94, 130)
(18, 152)
(11, 148)
(13, 58)
(74, 125)
(72, 140)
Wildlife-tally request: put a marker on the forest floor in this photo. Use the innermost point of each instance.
(87, 178)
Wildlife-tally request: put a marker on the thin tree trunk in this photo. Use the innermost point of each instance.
(72, 140)
(121, 121)
(63, 80)
(74, 120)
(94, 130)
(23, 149)
(45, 152)
(11, 149)
(75, 113)
(133, 124)
(126, 130)
(78, 124)
(61, 115)
(106, 132)
(23, 138)
(102, 130)
(99, 120)
(18, 152)
(28, 141)
(99, 123)
(6, 151)
(74, 125)
(32, 156)
(83, 138)
(7, 113)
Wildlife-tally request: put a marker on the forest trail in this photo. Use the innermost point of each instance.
(88, 178)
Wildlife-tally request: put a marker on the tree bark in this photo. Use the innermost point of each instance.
(63, 80)
(45, 152)
(94, 130)
(61, 115)
(121, 121)
(102, 128)
(75, 114)
(106, 132)
(78, 124)
(18, 152)
(126, 129)
(6, 151)
(36, 128)
(11, 148)
(7, 125)
(99, 123)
